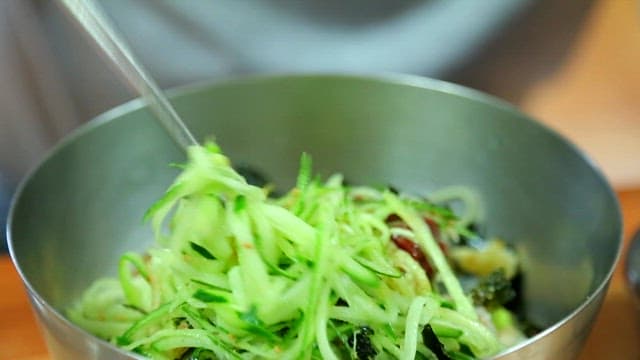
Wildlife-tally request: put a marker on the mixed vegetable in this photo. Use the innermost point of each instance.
(326, 271)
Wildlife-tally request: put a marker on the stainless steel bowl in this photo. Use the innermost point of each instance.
(82, 207)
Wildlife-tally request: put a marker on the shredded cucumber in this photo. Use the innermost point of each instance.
(236, 274)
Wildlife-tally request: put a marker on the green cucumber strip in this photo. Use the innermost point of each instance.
(359, 272)
(201, 250)
(379, 269)
(151, 318)
(432, 250)
(304, 174)
(211, 296)
(255, 325)
(443, 330)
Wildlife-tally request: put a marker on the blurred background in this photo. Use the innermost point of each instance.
(572, 64)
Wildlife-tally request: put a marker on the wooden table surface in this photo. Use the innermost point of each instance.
(615, 334)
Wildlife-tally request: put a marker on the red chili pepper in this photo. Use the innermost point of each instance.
(414, 251)
(434, 227)
(411, 247)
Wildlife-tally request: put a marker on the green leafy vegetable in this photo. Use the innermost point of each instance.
(311, 274)
(493, 290)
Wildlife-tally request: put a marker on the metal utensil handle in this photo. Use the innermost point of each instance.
(101, 30)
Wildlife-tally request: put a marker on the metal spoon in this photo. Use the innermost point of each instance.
(105, 35)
